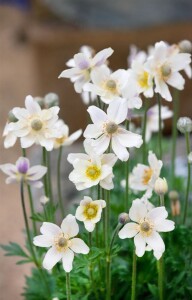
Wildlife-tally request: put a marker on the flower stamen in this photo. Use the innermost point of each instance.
(93, 172)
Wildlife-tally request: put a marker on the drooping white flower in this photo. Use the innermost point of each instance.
(62, 242)
(82, 65)
(152, 124)
(35, 125)
(143, 177)
(22, 171)
(89, 211)
(88, 97)
(91, 169)
(106, 129)
(164, 65)
(145, 228)
(106, 84)
(65, 139)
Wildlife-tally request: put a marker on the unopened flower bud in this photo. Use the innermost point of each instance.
(44, 200)
(184, 124)
(51, 100)
(185, 46)
(40, 101)
(123, 218)
(11, 117)
(161, 186)
(190, 158)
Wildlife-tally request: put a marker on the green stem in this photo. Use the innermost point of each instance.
(59, 181)
(174, 133)
(32, 209)
(68, 286)
(45, 179)
(144, 129)
(160, 127)
(126, 205)
(162, 202)
(187, 137)
(160, 278)
(107, 217)
(108, 270)
(30, 200)
(27, 225)
(49, 176)
(134, 273)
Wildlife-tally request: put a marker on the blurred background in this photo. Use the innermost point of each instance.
(37, 37)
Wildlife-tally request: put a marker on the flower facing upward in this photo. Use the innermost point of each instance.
(89, 212)
(145, 228)
(107, 85)
(22, 171)
(35, 125)
(65, 139)
(143, 177)
(82, 65)
(105, 128)
(62, 242)
(91, 169)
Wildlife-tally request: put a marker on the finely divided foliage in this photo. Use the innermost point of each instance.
(119, 200)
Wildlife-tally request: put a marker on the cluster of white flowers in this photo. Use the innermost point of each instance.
(34, 125)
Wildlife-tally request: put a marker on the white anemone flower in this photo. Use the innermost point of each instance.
(164, 65)
(106, 129)
(82, 65)
(65, 139)
(35, 125)
(143, 177)
(89, 211)
(91, 169)
(145, 228)
(22, 171)
(136, 55)
(62, 242)
(152, 124)
(106, 84)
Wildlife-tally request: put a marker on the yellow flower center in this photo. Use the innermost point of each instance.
(60, 140)
(111, 86)
(145, 227)
(147, 176)
(93, 172)
(90, 211)
(111, 127)
(143, 79)
(62, 242)
(36, 124)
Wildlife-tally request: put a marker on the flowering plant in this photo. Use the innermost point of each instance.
(121, 194)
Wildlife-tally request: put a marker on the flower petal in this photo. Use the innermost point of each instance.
(101, 56)
(36, 172)
(69, 226)
(165, 226)
(92, 131)
(97, 115)
(157, 214)
(50, 229)
(43, 241)
(119, 150)
(79, 246)
(140, 243)
(51, 258)
(137, 211)
(128, 231)
(67, 260)
(117, 111)
(155, 242)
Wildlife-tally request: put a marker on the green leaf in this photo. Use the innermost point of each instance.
(13, 249)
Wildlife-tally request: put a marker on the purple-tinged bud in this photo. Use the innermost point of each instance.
(123, 218)
(51, 100)
(23, 165)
